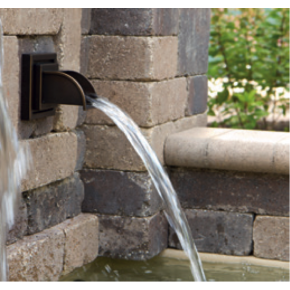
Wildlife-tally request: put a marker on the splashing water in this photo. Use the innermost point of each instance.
(173, 210)
(14, 162)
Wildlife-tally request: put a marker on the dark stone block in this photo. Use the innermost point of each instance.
(193, 39)
(19, 228)
(266, 194)
(218, 232)
(165, 21)
(132, 238)
(197, 91)
(134, 21)
(86, 20)
(52, 204)
(119, 193)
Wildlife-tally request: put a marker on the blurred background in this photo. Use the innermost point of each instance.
(249, 68)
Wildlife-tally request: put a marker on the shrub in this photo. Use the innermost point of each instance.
(249, 56)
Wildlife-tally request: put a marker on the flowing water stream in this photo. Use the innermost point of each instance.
(173, 210)
(14, 161)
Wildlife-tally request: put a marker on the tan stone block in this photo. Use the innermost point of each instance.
(243, 150)
(38, 257)
(11, 77)
(107, 147)
(271, 237)
(81, 241)
(54, 157)
(31, 21)
(68, 47)
(148, 103)
(189, 148)
(137, 58)
(169, 100)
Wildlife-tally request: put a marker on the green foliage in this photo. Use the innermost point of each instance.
(249, 51)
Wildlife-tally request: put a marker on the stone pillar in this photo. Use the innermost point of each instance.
(152, 63)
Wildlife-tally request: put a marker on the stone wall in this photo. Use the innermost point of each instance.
(152, 63)
(234, 187)
(44, 242)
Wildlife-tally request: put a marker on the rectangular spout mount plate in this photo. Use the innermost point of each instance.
(31, 85)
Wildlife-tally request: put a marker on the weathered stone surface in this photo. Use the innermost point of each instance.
(281, 156)
(108, 148)
(134, 21)
(197, 95)
(31, 21)
(86, 20)
(50, 205)
(135, 58)
(232, 191)
(81, 241)
(54, 157)
(148, 103)
(271, 237)
(11, 75)
(132, 238)
(193, 38)
(68, 40)
(218, 232)
(19, 228)
(38, 257)
(68, 47)
(54, 252)
(81, 149)
(119, 193)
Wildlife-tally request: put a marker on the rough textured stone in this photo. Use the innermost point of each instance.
(86, 20)
(134, 21)
(81, 241)
(68, 40)
(68, 48)
(135, 58)
(31, 21)
(271, 237)
(148, 103)
(38, 257)
(54, 157)
(119, 193)
(232, 191)
(219, 232)
(193, 38)
(108, 148)
(281, 156)
(81, 149)
(11, 75)
(197, 95)
(132, 238)
(50, 205)
(19, 228)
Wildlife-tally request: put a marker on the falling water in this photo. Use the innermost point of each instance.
(173, 210)
(13, 165)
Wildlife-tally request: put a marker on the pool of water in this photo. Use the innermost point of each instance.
(171, 269)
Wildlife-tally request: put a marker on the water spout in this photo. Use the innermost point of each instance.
(173, 210)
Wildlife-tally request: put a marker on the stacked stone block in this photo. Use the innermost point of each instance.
(234, 187)
(49, 225)
(137, 58)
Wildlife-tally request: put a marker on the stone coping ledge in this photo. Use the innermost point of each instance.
(229, 149)
(225, 259)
